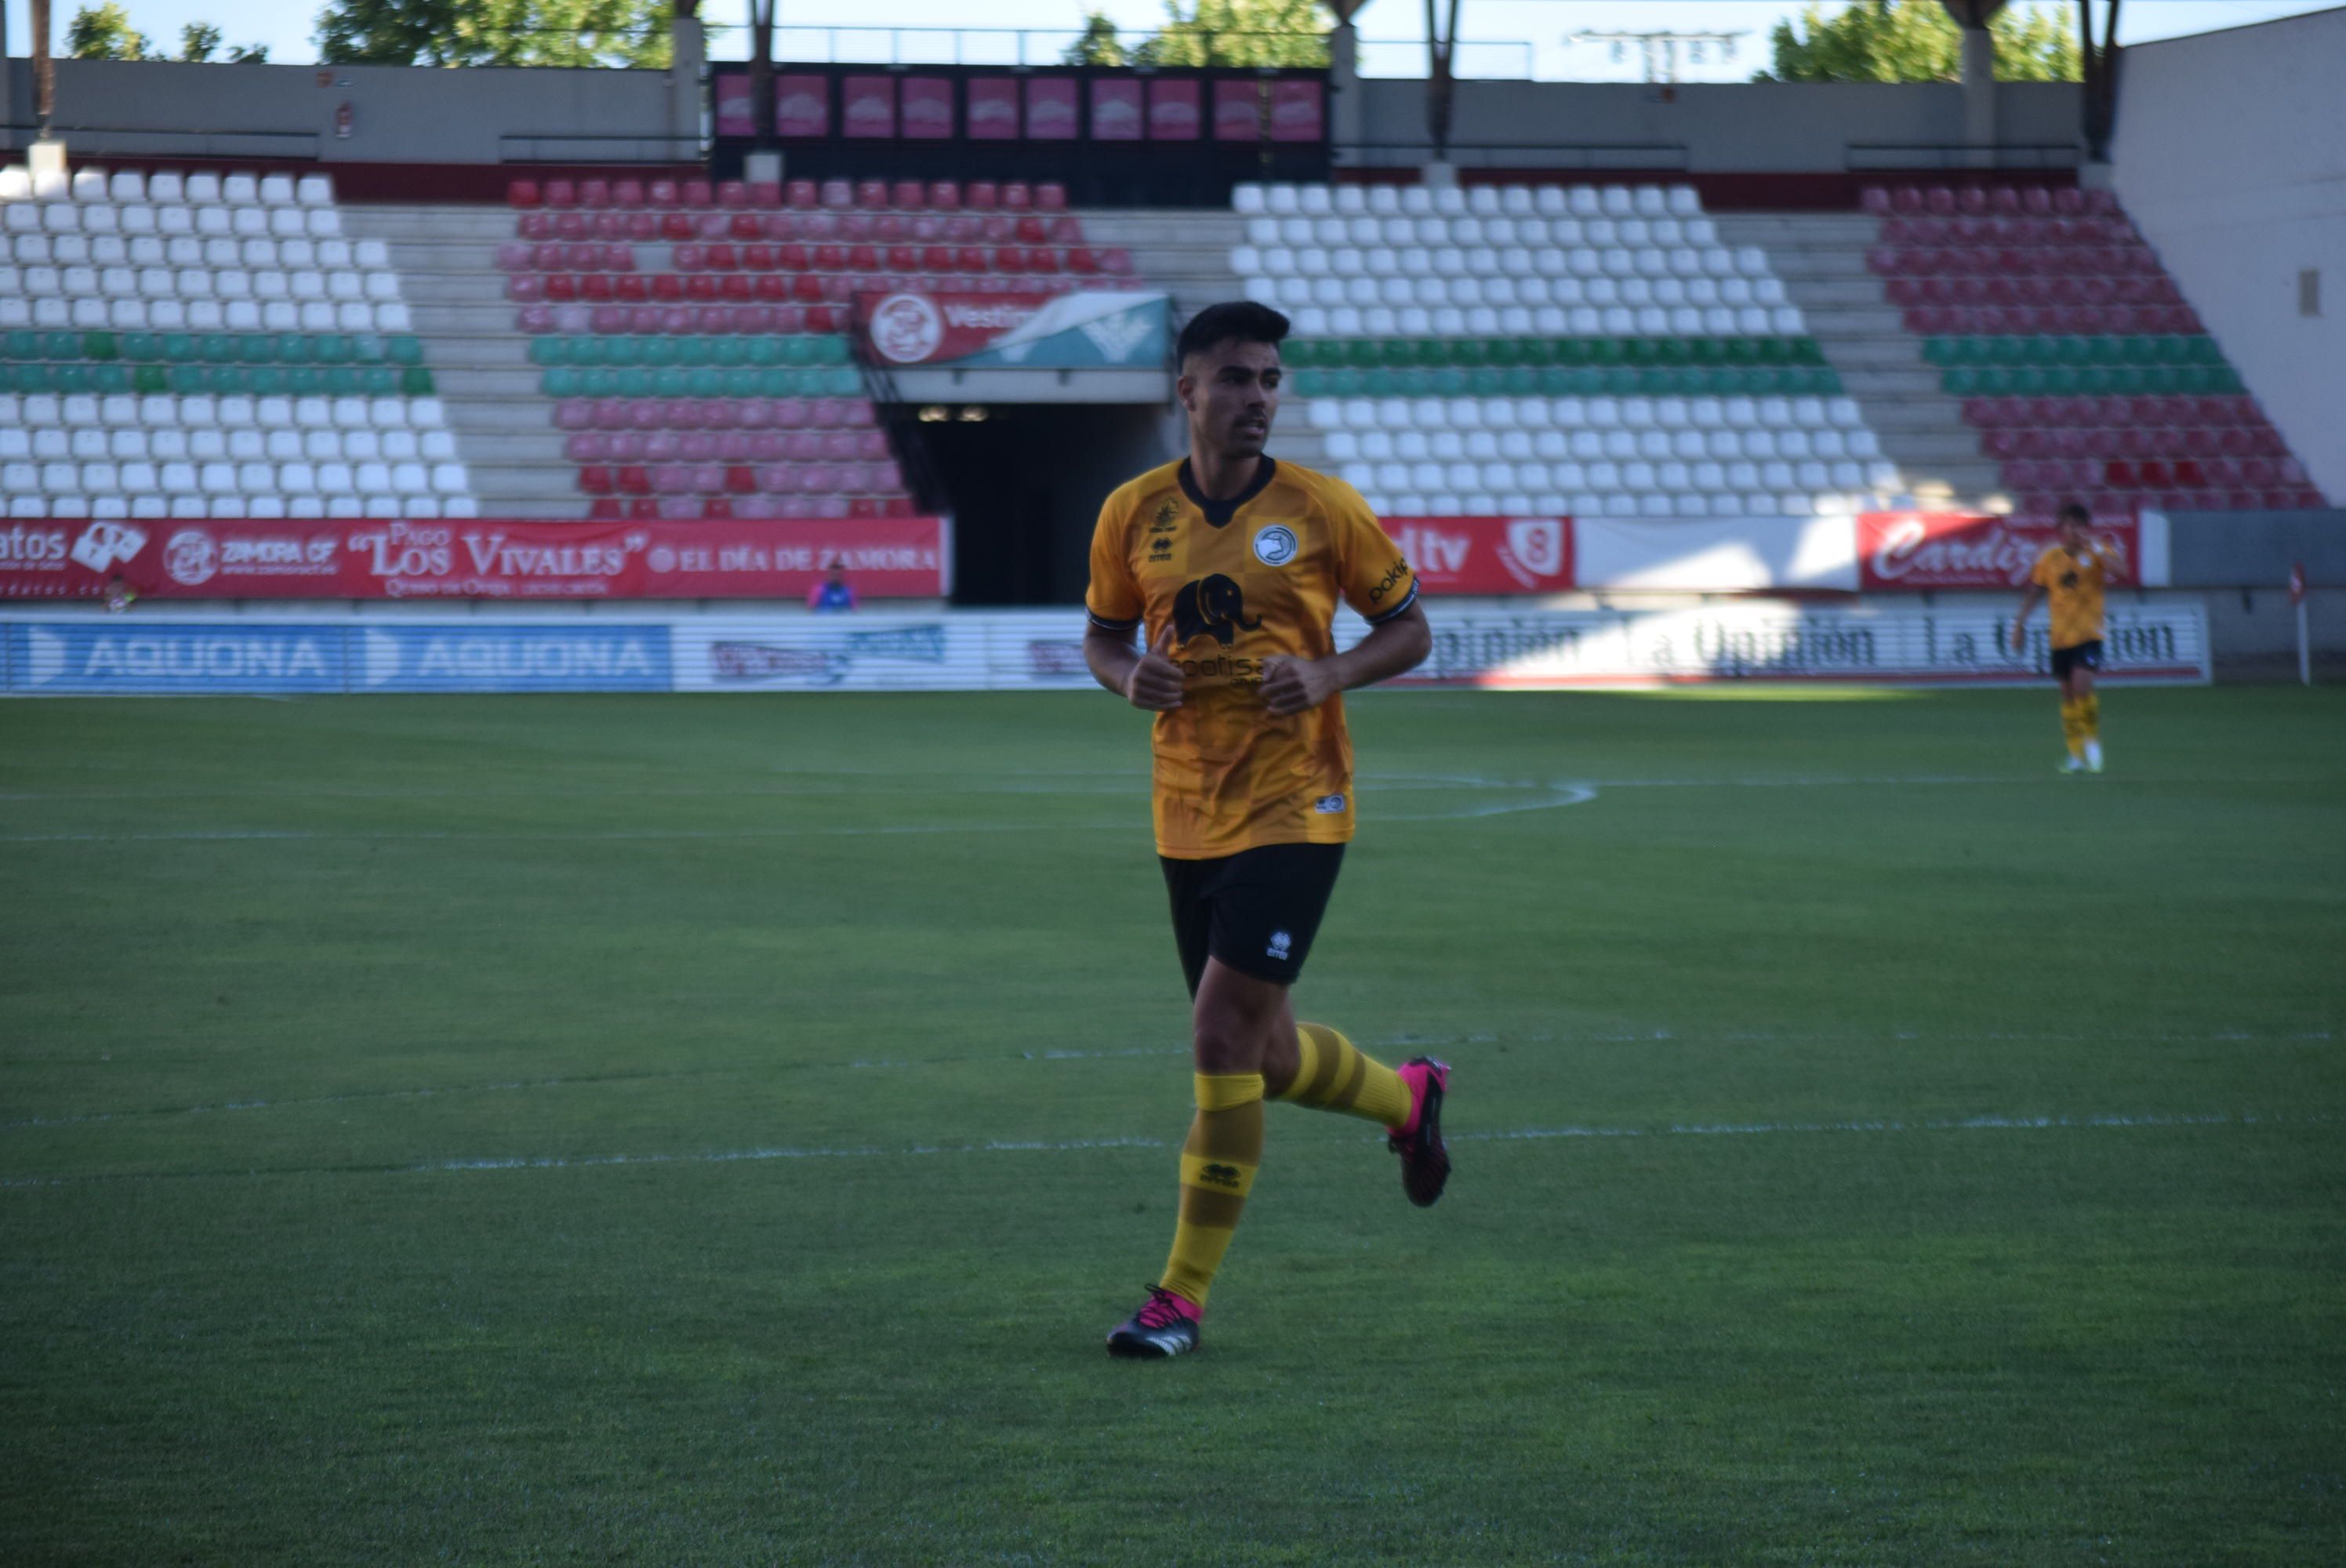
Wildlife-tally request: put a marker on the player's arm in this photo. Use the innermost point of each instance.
(2028, 597)
(1377, 582)
(1145, 678)
(1394, 646)
(1114, 608)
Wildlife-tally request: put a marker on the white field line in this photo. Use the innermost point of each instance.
(993, 1146)
(1392, 1043)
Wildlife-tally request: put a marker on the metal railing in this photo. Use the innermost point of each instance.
(100, 141)
(1592, 155)
(656, 146)
(1957, 156)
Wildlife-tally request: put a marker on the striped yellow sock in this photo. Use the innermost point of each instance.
(2089, 715)
(1335, 1076)
(2073, 727)
(1217, 1166)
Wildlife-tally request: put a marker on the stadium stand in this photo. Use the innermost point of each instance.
(1593, 350)
(209, 345)
(717, 380)
(2075, 356)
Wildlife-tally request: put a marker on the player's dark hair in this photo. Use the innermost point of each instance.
(2076, 509)
(1242, 321)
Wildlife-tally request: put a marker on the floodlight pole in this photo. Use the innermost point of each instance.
(1440, 45)
(2101, 75)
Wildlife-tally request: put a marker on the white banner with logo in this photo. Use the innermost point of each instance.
(155, 650)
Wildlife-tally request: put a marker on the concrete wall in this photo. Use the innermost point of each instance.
(399, 114)
(1730, 127)
(2231, 156)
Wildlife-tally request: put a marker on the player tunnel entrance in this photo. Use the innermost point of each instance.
(1025, 480)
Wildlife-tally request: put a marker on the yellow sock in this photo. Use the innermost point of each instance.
(1335, 1076)
(1217, 1166)
(2072, 729)
(2089, 715)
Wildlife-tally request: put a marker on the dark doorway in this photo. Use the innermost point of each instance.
(1024, 483)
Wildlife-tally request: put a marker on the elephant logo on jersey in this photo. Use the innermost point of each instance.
(1211, 605)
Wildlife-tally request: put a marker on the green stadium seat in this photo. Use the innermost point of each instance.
(830, 351)
(692, 352)
(2204, 351)
(1503, 352)
(549, 350)
(1466, 352)
(99, 346)
(20, 346)
(1489, 380)
(740, 381)
(112, 377)
(1671, 351)
(2162, 381)
(606, 382)
(560, 381)
(186, 380)
(658, 353)
(257, 349)
(268, 381)
(2127, 381)
(1447, 381)
(366, 348)
(1364, 353)
(148, 379)
(379, 381)
(2061, 380)
(403, 350)
(2168, 351)
(1808, 351)
(294, 349)
(1536, 352)
(61, 348)
(2094, 381)
(231, 380)
(798, 351)
(1520, 380)
(330, 349)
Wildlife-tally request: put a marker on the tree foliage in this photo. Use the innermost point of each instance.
(105, 33)
(1917, 41)
(199, 42)
(495, 33)
(1214, 33)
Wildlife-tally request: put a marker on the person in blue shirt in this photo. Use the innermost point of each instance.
(832, 594)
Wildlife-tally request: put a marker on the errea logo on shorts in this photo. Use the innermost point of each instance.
(1329, 805)
(1279, 942)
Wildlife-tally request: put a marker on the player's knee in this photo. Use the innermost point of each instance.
(1223, 1042)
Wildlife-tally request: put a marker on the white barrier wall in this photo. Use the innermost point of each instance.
(2230, 154)
(188, 652)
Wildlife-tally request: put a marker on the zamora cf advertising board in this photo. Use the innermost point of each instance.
(62, 653)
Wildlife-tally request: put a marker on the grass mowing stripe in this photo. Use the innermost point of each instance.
(1070, 1146)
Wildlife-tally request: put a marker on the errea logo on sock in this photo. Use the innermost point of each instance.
(1279, 942)
(1220, 1175)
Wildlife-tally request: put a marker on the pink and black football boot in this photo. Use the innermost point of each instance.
(1166, 1325)
(1425, 1161)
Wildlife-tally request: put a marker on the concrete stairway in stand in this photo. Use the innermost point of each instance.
(504, 426)
(1186, 253)
(1821, 257)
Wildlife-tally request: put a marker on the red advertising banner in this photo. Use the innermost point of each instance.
(993, 108)
(1237, 109)
(1295, 114)
(802, 104)
(371, 558)
(867, 105)
(928, 108)
(1115, 109)
(1050, 109)
(1919, 551)
(1174, 113)
(910, 329)
(1487, 554)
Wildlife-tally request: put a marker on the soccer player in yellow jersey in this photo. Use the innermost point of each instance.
(2071, 574)
(1230, 565)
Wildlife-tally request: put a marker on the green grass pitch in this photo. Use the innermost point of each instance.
(722, 1130)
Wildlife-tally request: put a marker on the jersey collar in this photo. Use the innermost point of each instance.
(1219, 513)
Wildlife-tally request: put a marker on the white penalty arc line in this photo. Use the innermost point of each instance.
(1078, 1146)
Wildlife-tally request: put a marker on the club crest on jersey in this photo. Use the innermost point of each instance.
(1329, 805)
(1275, 545)
(1167, 518)
(1214, 606)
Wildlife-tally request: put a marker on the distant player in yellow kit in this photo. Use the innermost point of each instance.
(1230, 567)
(2072, 575)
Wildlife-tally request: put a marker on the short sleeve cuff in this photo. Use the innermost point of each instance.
(1107, 625)
(1407, 599)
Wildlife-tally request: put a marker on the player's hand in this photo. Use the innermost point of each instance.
(2019, 637)
(1155, 681)
(1291, 685)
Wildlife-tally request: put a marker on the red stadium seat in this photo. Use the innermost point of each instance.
(944, 195)
(595, 481)
(697, 194)
(595, 194)
(571, 226)
(733, 195)
(524, 194)
(561, 193)
(766, 193)
(801, 195)
(1050, 195)
(605, 509)
(981, 196)
(863, 259)
(1017, 196)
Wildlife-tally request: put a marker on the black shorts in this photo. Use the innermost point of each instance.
(2087, 656)
(1256, 910)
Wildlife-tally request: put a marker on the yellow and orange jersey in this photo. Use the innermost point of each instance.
(2072, 587)
(1240, 581)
